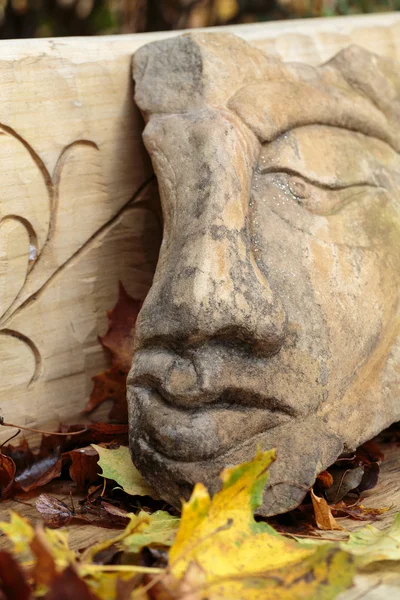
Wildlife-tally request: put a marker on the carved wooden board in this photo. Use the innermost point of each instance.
(78, 200)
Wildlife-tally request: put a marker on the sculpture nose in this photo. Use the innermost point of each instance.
(210, 289)
(207, 285)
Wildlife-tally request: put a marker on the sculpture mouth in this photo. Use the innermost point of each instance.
(203, 432)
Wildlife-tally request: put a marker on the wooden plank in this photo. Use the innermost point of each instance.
(78, 202)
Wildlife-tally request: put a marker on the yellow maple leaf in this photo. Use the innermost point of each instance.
(242, 559)
(19, 531)
(226, 9)
(116, 464)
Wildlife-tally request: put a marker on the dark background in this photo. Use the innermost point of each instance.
(39, 18)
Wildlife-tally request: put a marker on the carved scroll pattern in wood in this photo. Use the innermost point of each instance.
(63, 247)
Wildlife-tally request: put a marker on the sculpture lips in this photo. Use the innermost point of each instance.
(204, 401)
(197, 433)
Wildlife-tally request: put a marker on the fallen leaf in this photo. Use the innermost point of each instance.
(106, 586)
(40, 474)
(7, 474)
(34, 469)
(84, 469)
(323, 515)
(324, 480)
(245, 559)
(190, 587)
(126, 587)
(369, 452)
(356, 473)
(159, 529)
(13, 584)
(344, 481)
(137, 526)
(357, 511)
(107, 432)
(57, 542)
(45, 569)
(121, 329)
(20, 533)
(93, 433)
(94, 509)
(56, 514)
(69, 586)
(116, 511)
(53, 511)
(111, 384)
(371, 545)
(370, 477)
(61, 573)
(225, 10)
(117, 465)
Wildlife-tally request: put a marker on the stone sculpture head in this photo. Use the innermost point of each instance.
(273, 319)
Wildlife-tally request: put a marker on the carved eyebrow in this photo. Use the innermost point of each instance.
(272, 108)
(316, 182)
(330, 157)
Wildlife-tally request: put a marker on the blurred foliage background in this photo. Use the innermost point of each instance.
(38, 18)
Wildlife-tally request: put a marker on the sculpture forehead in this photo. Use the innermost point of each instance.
(357, 89)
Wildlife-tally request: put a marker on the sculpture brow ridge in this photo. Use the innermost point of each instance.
(324, 186)
(328, 125)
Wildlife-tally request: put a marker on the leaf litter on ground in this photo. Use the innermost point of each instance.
(217, 550)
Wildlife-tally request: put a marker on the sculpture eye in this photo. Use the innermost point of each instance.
(323, 200)
(298, 187)
(324, 168)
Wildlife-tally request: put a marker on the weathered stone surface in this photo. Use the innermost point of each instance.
(273, 318)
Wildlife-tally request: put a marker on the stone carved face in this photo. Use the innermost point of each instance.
(273, 319)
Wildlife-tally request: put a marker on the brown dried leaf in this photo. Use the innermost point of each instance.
(94, 433)
(7, 475)
(369, 452)
(370, 477)
(34, 469)
(126, 587)
(54, 512)
(166, 588)
(44, 570)
(107, 432)
(116, 511)
(121, 328)
(20, 454)
(324, 480)
(13, 584)
(84, 468)
(41, 473)
(69, 586)
(323, 515)
(111, 384)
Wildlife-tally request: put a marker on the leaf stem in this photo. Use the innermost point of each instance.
(122, 568)
(4, 424)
